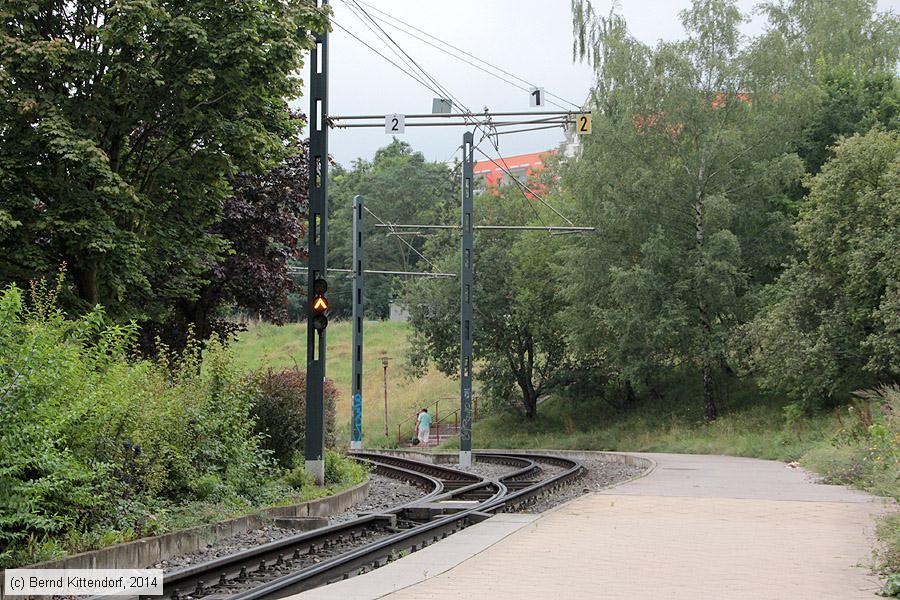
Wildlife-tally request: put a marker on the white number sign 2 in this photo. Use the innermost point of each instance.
(394, 124)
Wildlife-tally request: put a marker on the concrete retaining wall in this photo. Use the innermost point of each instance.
(149, 551)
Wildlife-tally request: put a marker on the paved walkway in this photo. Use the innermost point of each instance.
(697, 527)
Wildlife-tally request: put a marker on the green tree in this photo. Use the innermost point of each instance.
(399, 186)
(815, 35)
(519, 338)
(121, 126)
(684, 177)
(833, 323)
(848, 103)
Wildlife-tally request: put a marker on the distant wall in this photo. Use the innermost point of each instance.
(399, 312)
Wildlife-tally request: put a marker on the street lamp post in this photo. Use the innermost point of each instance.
(384, 363)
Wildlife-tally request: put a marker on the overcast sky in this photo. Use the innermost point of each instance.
(529, 38)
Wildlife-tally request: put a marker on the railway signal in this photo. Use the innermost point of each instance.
(319, 305)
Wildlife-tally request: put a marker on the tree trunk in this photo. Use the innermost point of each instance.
(709, 399)
(629, 396)
(529, 397)
(525, 379)
(85, 277)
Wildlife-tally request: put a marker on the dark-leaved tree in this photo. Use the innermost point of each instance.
(262, 223)
(122, 126)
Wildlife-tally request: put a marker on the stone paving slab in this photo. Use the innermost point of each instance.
(695, 528)
(606, 546)
(711, 476)
(428, 562)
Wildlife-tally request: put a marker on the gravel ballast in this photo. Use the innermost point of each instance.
(599, 474)
(385, 493)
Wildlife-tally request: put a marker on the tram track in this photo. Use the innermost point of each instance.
(452, 500)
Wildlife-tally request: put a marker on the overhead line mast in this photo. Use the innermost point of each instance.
(317, 232)
(317, 241)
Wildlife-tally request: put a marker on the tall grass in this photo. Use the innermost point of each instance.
(750, 425)
(267, 345)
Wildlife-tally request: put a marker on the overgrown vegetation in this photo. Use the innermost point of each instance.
(265, 346)
(97, 447)
(124, 128)
(280, 412)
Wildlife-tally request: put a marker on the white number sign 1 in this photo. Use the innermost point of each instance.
(583, 123)
(394, 124)
(536, 97)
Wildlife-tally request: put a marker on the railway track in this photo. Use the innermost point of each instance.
(452, 500)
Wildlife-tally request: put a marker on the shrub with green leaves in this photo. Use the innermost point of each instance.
(94, 441)
(830, 323)
(280, 412)
(340, 470)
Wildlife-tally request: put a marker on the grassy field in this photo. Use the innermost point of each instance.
(749, 425)
(271, 346)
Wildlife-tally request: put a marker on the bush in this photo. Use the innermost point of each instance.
(866, 453)
(96, 446)
(340, 470)
(299, 478)
(280, 411)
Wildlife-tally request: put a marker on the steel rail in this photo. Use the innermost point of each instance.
(385, 550)
(407, 476)
(382, 551)
(242, 565)
(194, 580)
(446, 474)
(503, 494)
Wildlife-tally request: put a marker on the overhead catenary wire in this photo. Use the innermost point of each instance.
(554, 126)
(367, 24)
(411, 247)
(370, 47)
(447, 94)
(426, 74)
(475, 123)
(524, 197)
(525, 187)
(486, 133)
(293, 270)
(470, 63)
(469, 54)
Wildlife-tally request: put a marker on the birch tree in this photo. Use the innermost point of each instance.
(684, 178)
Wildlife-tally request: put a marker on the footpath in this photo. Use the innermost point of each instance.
(695, 528)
